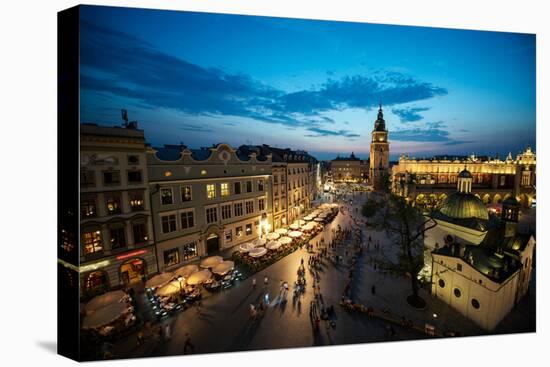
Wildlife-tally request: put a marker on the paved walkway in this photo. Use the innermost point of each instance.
(224, 323)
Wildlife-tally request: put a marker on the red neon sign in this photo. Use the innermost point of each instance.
(130, 254)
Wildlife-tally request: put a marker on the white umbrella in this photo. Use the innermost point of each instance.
(300, 222)
(294, 226)
(168, 289)
(308, 218)
(186, 270)
(295, 234)
(258, 252)
(211, 261)
(223, 267)
(323, 215)
(199, 277)
(282, 231)
(285, 240)
(159, 280)
(103, 300)
(273, 245)
(273, 236)
(309, 227)
(319, 219)
(104, 315)
(245, 247)
(259, 242)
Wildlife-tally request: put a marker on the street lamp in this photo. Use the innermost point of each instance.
(263, 224)
(180, 279)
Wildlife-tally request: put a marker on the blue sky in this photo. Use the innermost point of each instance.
(202, 78)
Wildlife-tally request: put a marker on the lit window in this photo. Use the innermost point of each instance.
(92, 242)
(190, 250)
(248, 229)
(113, 204)
(87, 208)
(136, 201)
(210, 191)
(239, 231)
(224, 187)
(261, 185)
(171, 257)
(166, 196)
(203, 172)
(186, 193)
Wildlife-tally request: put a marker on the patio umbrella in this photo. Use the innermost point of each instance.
(211, 261)
(103, 300)
(186, 270)
(295, 234)
(168, 289)
(159, 280)
(294, 226)
(281, 231)
(104, 315)
(245, 247)
(309, 227)
(258, 252)
(300, 222)
(319, 220)
(273, 236)
(259, 242)
(308, 218)
(199, 277)
(223, 267)
(285, 240)
(273, 245)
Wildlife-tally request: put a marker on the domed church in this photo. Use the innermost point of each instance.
(478, 264)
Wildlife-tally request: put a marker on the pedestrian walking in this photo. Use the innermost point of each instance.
(167, 332)
(188, 344)
(266, 280)
(253, 283)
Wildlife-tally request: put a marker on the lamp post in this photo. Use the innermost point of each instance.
(263, 223)
(180, 279)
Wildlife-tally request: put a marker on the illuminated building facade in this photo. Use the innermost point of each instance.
(493, 180)
(478, 264)
(349, 169)
(206, 200)
(116, 235)
(300, 178)
(379, 153)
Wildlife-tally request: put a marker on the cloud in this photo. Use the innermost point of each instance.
(324, 132)
(194, 128)
(119, 64)
(419, 134)
(429, 132)
(409, 114)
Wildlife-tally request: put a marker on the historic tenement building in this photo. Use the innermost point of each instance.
(116, 233)
(349, 169)
(494, 180)
(379, 153)
(295, 174)
(205, 200)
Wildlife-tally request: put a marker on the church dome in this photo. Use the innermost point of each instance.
(462, 205)
(465, 174)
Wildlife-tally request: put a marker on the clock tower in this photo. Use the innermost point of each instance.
(379, 152)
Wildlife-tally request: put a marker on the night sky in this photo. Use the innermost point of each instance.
(200, 79)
